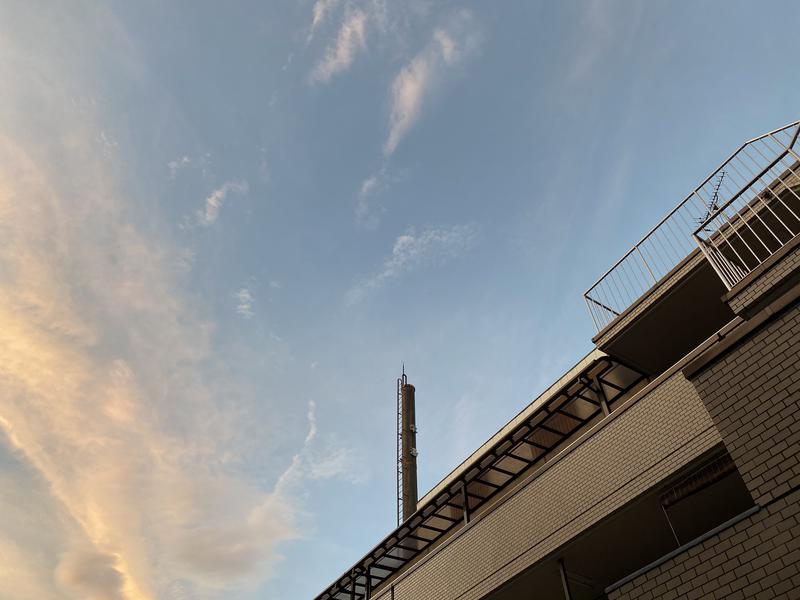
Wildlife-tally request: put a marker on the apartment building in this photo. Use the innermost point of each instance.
(666, 462)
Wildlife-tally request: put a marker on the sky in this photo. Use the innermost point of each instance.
(225, 226)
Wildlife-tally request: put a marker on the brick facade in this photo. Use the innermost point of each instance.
(742, 299)
(752, 394)
(755, 559)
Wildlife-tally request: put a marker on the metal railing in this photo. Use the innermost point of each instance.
(706, 218)
(760, 215)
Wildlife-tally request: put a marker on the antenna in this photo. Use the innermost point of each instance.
(714, 202)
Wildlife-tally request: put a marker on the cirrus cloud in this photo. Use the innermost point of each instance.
(419, 79)
(433, 247)
(106, 357)
(350, 40)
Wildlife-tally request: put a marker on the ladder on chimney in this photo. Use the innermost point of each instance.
(400, 383)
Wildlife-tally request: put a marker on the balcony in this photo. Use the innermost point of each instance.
(742, 213)
(665, 295)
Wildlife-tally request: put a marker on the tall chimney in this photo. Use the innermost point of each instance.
(406, 450)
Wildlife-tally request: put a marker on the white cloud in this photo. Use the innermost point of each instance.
(200, 161)
(340, 55)
(432, 247)
(369, 209)
(317, 462)
(244, 306)
(176, 165)
(366, 213)
(217, 198)
(322, 9)
(418, 79)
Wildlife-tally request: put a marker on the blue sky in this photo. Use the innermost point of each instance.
(225, 226)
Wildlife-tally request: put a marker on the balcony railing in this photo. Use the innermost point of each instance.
(739, 215)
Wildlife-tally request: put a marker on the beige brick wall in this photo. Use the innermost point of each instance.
(753, 395)
(756, 559)
(747, 296)
(655, 436)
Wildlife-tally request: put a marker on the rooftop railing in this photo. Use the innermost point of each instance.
(739, 215)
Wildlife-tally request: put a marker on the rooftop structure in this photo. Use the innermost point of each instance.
(665, 463)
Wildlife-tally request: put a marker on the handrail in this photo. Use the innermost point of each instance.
(678, 233)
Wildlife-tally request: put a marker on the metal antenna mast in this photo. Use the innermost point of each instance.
(714, 201)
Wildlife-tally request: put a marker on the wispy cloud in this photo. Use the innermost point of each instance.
(315, 461)
(321, 10)
(201, 162)
(94, 344)
(176, 165)
(430, 248)
(104, 361)
(244, 303)
(351, 39)
(366, 213)
(423, 75)
(413, 86)
(217, 198)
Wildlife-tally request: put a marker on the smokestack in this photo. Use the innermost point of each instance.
(406, 450)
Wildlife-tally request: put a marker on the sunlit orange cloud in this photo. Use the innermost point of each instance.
(98, 339)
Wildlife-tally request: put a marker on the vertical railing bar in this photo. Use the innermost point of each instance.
(656, 253)
(649, 259)
(731, 274)
(724, 264)
(766, 205)
(735, 231)
(661, 251)
(643, 274)
(721, 231)
(609, 300)
(645, 262)
(769, 208)
(622, 304)
(637, 284)
(741, 237)
(620, 287)
(788, 149)
(607, 318)
(591, 312)
(746, 205)
(656, 257)
(632, 283)
(770, 149)
(688, 224)
(669, 240)
(710, 254)
(789, 168)
(631, 290)
(789, 188)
